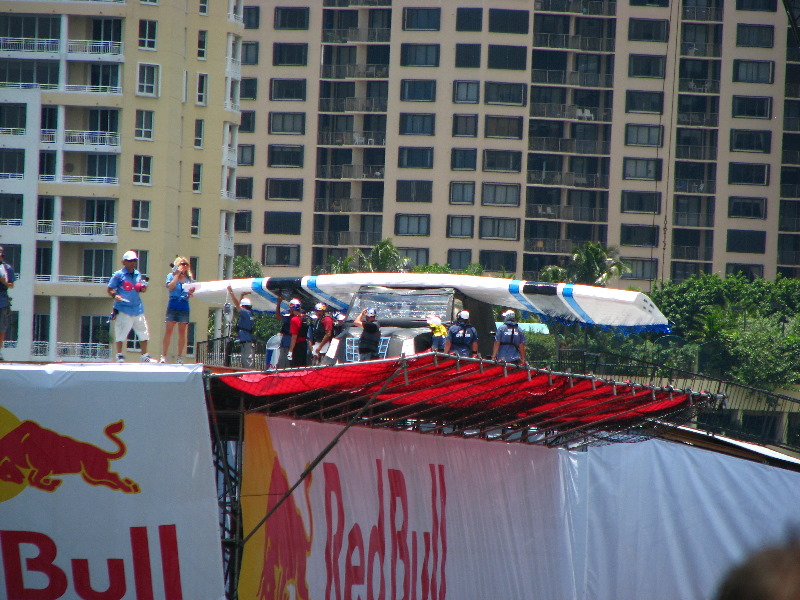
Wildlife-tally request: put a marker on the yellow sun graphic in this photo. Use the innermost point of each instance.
(8, 422)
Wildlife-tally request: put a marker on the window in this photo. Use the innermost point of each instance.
(280, 256)
(513, 94)
(147, 34)
(462, 192)
(199, 132)
(248, 88)
(740, 207)
(751, 140)
(746, 241)
(500, 194)
(466, 92)
(414, 256)
(755, 36)
(147, 81)
(648, 30)
(419, 55)
(243, 221)
(148, 1)
(412, 190)
(287, 123)
(415, 158)
(284, 189)
(195, 225)
(646, 65)
(641, 202)
(245, 154)
(202, 89)
(468, 56)
(463, 159)
(417, 124)
(502, 160)
(13, 116)
(661, 3)
(498, 260)
(289, 55)
(12, 161)
(513, 58)
(251, 16)
(197, 177)
(202, 44)
(459, 259)
(465, 125)
(287, 89)
(421, 19)
(641, 268)
(248, 124)
(642, 168)
(412, 224)
(194, 264)
(282, 222)
(752, 71)
(11, 209)
(243, 250)
(285, 156)
(752, 107)
(142, 169)
(748, 174)
(143, 129)
(203, 7)
(244, 188)
(460, 226)
(508, 21)
(499, 228)
(503, 127)
(291, 18)
(140, 214)
(760, 5)
(643, 135)
(418, 90)
(639, 235)
(97, 262)
(644, 102)
(469, 19)
(249, 53)
(750, 271)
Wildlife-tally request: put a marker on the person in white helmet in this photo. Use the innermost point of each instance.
(244, 328)
(509, 341)
(462, 338)
(369, 343)
(297, 354)
(323, 332)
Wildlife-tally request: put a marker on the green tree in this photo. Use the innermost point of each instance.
(590, 264)
(244, 267)
(383, 258)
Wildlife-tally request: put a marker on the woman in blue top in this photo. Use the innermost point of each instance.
(177, 307)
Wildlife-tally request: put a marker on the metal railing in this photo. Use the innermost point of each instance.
(788, 257)
(696, 152)
(351, 138)
(88, 228)
(567, 213)
(573, 42)
(11, 222)
(790, 157)
(355, 71)
(94, 47)
(581, 180)
(692, 252)
(12, 175)
(90, 138)
(700, 119)
(702, 13)
(693, 219)
(90, 179)
(557, 77)
(49, 278)
(346, 205)
(790, 190)
(89, 352)
(19, 44)
(12, 131)
(570, 111)
(350, 171)
(699, 86)
(353, 104)
(346, 238)
(697, 186)
(227, 352)
(362, 34)
(700, 49)
(548, 245)
(581, 7)
(554, 144)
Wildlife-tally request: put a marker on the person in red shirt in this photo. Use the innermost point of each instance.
(298, 329)
(323, 333)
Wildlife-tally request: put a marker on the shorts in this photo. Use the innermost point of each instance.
(5, 318)
(125, 322)
(176, 316)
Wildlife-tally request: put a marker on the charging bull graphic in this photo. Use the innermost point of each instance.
(33, 455)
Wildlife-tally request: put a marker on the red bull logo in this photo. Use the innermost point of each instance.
(31, 455)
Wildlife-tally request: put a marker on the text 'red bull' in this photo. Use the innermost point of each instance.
(11, 543)
(414, 567)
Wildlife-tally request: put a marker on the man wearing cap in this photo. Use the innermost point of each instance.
(462, 338)
(7, 279)
(370, 341)
(244, 328)
(438, 333)
(509, 341)
(323, 332)
(298, 330)
(126, 287)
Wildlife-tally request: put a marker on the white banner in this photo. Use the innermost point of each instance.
(107, 484)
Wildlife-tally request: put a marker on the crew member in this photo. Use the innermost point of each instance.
(438, 333)
(370, 341)
(244, 328)
(323, 332)
(462, 338)
(509, 341)
(298, 330)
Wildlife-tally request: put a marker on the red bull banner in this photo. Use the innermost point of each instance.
(107, 487)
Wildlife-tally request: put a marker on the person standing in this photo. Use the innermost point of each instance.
(370, 341)
(323, 333)
(509, 341)
(244, 328)
(438, 333)
(462, 338)
(177, 307)
(126, 287)
(7, 279)
(297, 354)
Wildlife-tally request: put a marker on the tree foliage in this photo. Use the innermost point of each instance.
(590, 264)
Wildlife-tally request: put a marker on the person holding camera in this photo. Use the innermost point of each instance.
(126, 287)
(177, 307)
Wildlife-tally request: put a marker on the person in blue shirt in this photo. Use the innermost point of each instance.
(7, 279)
(462, 338)
(177, 307)
(126, 287)
(509, 341)
(244, 328)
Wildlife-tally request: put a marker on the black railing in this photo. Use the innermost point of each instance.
(227, 352)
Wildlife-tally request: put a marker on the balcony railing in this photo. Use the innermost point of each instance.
(566, 213)
(17, 44)
(86, 352)
(789, 123)
(696, 186)
(348, 205)
(790, 190)
(12, 131)
(234, 18)
(92, 89)
(700, 49)
(696, 152)
(791, 157)
(346, 3)
(700, 119)
(88, 228)
(577, 78)
(581, 7)
(12, 175)
(553, 144)
(699, 86)
(10, 222)
(351, 138)
(229, 155)
(346, 238)
(353, 104)
(792, 89)
(233, 68)
(350, 171)
(355, 71)
(341, 36)
(791, 224)
(573, 42)
(570, 111)
(90, 138)
(701, 13)
(582, 180)
(788, 257)
(692, 253)
(693, 219)
(91, 279)
(89, 179)
(94, 47)
(231, 105)
(548, 245)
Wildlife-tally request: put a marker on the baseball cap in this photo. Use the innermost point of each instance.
(434, 320)
(295, 303)
(509, 314)
(245, 301)
(463, 315)
(130, 255)
(370, 312)
(320, 306)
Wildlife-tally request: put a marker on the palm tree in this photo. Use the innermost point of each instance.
(590, 264)
(383, 258)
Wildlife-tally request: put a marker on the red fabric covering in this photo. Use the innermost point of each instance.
(450, 391)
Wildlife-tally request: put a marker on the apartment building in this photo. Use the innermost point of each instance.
(508, 132)
(118, 130)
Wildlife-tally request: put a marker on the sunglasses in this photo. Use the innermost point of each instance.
(184, 264)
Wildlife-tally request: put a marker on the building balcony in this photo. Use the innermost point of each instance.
(83, 179)
(788, 257)
(73, 137)
(700, 49)
(696, 152)
(575, 78)
(553, 144)
(351, 138)
(790, 190)
(72, 279)
(226, 244)
(350, 171)
(580, 7)
(548, 245)
(790, 224)
(355, 71)
(789, 124)
(19, 44)
(235, 18)
(699, 119)
(8, 222)
(55, 87)
(342, 36)
(790, 157)
(12, 131)
(695, 186)
(90, 49)
(12, 175)
(348, 205)
(699, 86)
(227, 195)
(702, 13)
(233, 68)
(693, 219)
(95, 48)
(231, 105)
(69, 352)
(347, 3)
(230, 156)
(581, 180)
(353, 104)
(792, 89)
(570, 111)
(566, 213)
(346, 238)
(79, 229)
(573, 42)
(692, 253)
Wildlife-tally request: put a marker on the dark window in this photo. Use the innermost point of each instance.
(244, 187)
(643, 135)
(278, 221)
(412, 224)
(412, 190)
(285, 156)
(245, 154)
(468, 56)
(462, 192)
(463, 159)
(746, 241)
(644, 102)
(639, 235)
(646, 65)
(760, 5)
(248, 124)
(469, 19)
(10, 207)
(466, 92)
(418, 90)
(425, 19)
(498, 260)
(415, 158)
(751, 140)
(465, 125)
(514, 94)
(750, 271)
(752, 107)
(287, 123)
(280, 256)
(419, 55)
(503, 127)
(284, 189)
(500, 194)
(642, 168)
(13, 116)
(460, 226)
(12, 161)
(641, 268)
(291, 18)
(753, 71)
(243, 250)
(248, 88)
(417, 124)
(755, 36)
(249, 53)
(641, 202)
(291, 55)
(251, 16)
(459, 259)
(508, 57)
(747, 208)
(414, 256)
(748, 174)
(648, 30)
(502, 160)
(661, 3)
(243, 221)
(503, 20)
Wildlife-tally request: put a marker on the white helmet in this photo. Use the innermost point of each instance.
(464, 315)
